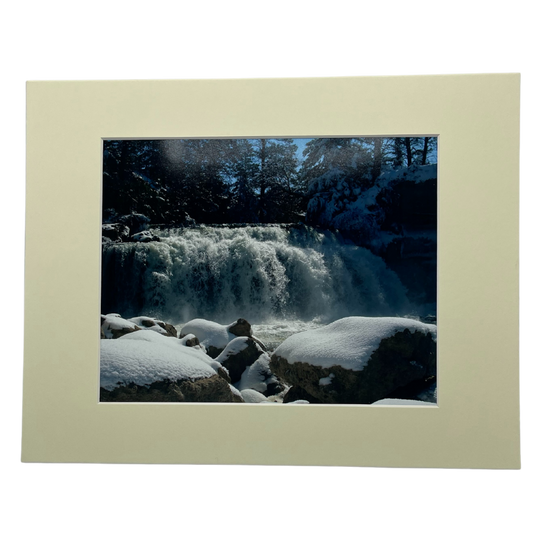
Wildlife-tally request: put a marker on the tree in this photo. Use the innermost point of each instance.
(205, 185)
(129, 181)
(418, 150)
(243, 207)
(397, 145)
(276, 180)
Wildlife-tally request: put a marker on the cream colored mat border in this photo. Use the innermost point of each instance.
(477, 422)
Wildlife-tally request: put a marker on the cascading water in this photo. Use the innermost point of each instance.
(261, 273)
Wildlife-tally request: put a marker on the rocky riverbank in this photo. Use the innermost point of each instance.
(355, 360)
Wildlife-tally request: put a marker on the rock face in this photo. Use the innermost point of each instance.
(210, 390)
(401, 361)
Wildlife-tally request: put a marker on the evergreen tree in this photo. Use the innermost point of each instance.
(276, 182)
(129, 180)
(397, 145)
(243, 170)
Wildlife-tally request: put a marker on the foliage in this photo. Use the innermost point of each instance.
(176, 181)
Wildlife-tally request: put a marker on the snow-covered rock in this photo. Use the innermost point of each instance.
(155, 324)
(147, 366)
(144, 236)
(214, 336)
(357, 359)
(145, 357)
(136, 222)
(259, 377)
(190, 340)
(114, 326)
(238, 355)
(115, 232)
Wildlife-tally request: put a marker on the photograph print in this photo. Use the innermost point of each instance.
(270, 271)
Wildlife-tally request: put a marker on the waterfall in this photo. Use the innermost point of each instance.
(261, 273)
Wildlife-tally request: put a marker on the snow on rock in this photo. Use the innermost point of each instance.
(115, 232)
(145, 236)
(191, 340)
(149, 323)
(113, 326)
(239, 354)
(143, 358)
(209, 333)
(259, 377)
(214, 336)
(234, 347)
(404, 403)
(357, 360)
(348, 342)
(252, 396)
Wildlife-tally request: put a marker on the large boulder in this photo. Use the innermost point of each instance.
(213, 389)
(356, 359)
(147, 366)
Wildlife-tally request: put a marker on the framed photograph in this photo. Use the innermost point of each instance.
(294, 271)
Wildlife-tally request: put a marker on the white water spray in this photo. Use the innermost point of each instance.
(261, 273)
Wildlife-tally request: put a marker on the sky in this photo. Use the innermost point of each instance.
(301, 143)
